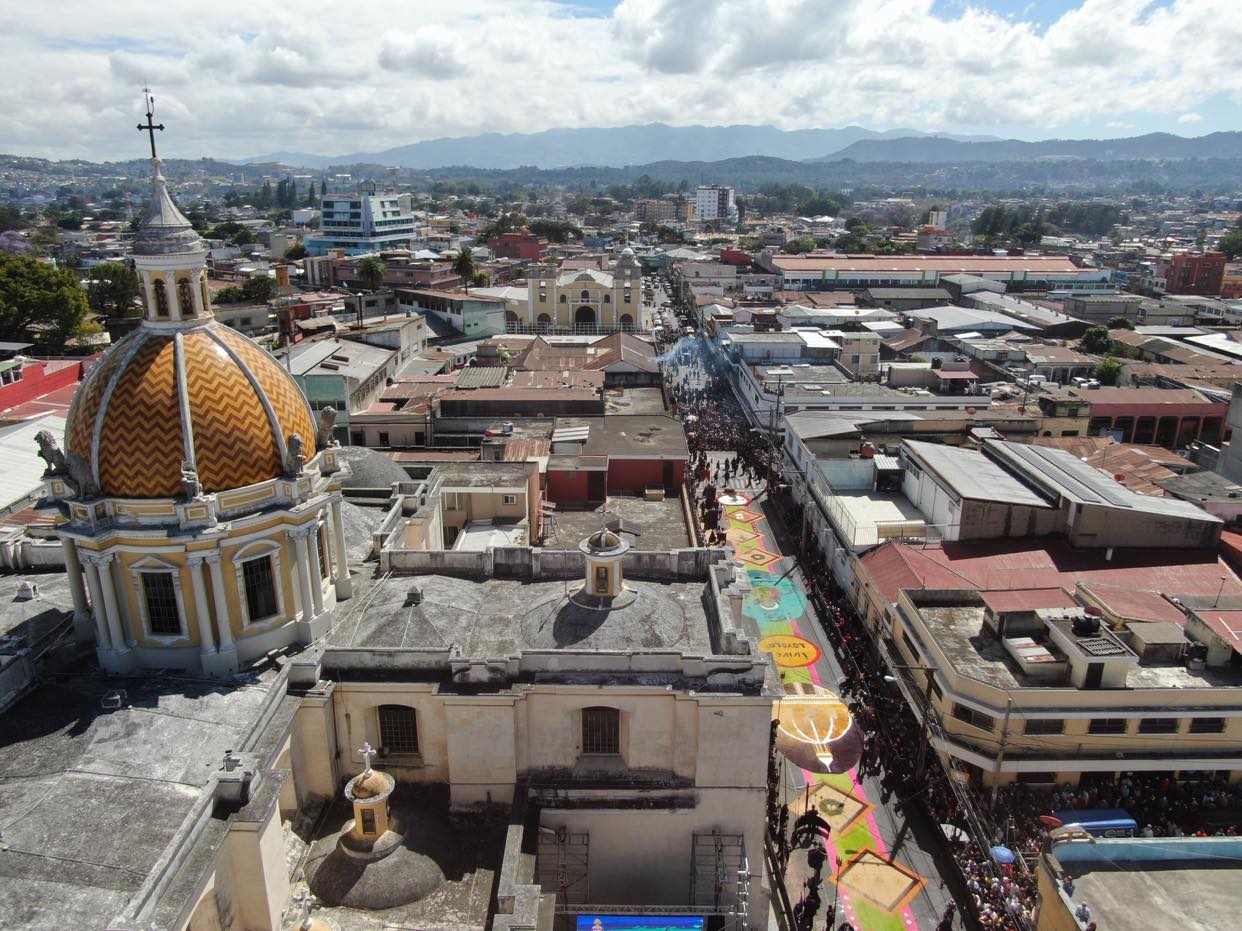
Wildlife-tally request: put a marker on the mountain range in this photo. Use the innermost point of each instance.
(623, 146)
(613, 147)
(945, 151)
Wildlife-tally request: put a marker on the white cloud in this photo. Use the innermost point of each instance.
(238, 78)
(1190, 118)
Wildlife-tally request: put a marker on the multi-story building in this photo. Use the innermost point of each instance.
(523, 245)
(665, 211)
(1195, 274)
(361, 223)
(715, 202)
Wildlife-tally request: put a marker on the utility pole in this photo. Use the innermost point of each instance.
(1000, 755)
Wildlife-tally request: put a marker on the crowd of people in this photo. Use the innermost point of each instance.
(999, 895)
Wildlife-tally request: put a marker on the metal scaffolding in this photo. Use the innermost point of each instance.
(562, 860)
(719, 873)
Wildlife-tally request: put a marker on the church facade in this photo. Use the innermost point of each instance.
(586, 300)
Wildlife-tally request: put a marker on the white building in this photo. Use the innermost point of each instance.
(715, 202)
(362, 223)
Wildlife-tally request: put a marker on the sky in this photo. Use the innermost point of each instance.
(235, 79)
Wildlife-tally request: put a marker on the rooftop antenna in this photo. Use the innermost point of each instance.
(150, 126)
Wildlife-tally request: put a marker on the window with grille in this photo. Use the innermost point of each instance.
(1107, 726)
(398, 728)
(601, 730)
(259, 580)
(1158, 726)
(1044, 726)
(160, 596)
(1207, 725)
(971, 716)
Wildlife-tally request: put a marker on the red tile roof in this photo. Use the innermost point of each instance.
(1028, 564)
(1134, 605)
(1027, 599)
(1226, 624)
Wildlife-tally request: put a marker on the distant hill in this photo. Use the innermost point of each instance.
(937, 150)
(611, 147)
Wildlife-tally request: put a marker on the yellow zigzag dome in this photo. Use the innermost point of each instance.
(128, 421)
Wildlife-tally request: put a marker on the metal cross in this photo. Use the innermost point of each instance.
(150, 127)
(368, 752)
(303, 901)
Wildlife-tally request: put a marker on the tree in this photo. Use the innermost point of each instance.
(1120, 323)
(294, 253)
(464, 265)
(1231, 244)
(113, 288)
(243, 237)
(11, 219)
(801, 244)
(371, 271)
(850, 242)
(1096, 340)
(229, 295)
(1107, 371)
(259, 290)
(39, 301)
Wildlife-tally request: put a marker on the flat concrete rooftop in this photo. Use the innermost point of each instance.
(503, 617)
(90, 798)
(1141, 896)
(661, 525)
(958, 631)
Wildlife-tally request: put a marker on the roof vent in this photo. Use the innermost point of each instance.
(114, 700)
(413, 597)
(28, 591)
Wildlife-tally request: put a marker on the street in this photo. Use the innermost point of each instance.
(881, 872)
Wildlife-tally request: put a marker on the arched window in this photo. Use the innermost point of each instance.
(607, 298)
(202, 287)
(185, 298)
(586, 295)
(627, 320)
(601, 730)
(398, 728)
(161, 299)
(564, 298)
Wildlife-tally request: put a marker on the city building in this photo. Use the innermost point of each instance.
(831, 272)
(523, 245)
(361, 223)
(1195, 274)
(666, 211)
(341, 374)
(715, 202)
(468, 313)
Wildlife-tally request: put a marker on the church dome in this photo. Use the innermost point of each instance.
(205, 394)
(603, 540)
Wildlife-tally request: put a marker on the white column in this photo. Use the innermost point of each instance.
(197, 580)
(223, 623)
(316, 567)
(174, 301)
(304, 582)
(344, 584)
(77, 588)
(102, 640)
(111, 610)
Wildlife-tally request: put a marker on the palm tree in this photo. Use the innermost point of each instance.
(371, 271)
(465, 266)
